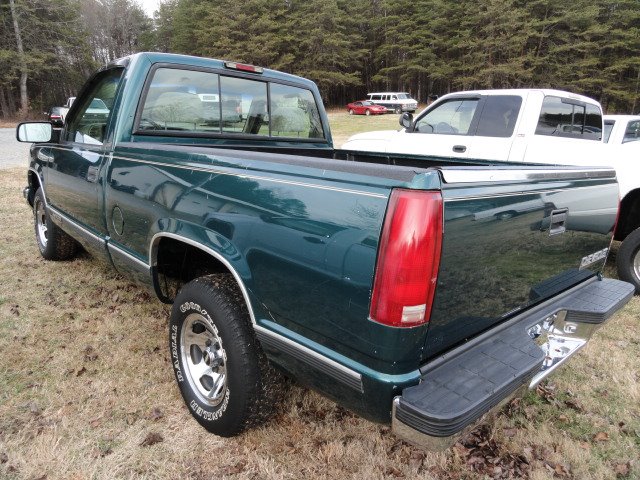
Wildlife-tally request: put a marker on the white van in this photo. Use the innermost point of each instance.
(397, 102)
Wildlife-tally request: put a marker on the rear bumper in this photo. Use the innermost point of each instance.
(457, 389)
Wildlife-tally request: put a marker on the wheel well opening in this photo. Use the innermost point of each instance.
(629, 215)
(178, 262)
(34, 185)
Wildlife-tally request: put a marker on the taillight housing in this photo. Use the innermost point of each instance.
(243, 67)
(408, 259)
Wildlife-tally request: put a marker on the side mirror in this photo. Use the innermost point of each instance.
(406, 121)
(34, 132)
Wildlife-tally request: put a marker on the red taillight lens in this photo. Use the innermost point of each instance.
(56, 116)
(408, 259)
(243, 67)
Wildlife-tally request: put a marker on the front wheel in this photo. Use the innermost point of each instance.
(222, 373)
(367, 112)
(398, 110)
(628, 259)
(53, 242)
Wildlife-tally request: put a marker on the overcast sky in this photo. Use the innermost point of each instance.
(149, 6)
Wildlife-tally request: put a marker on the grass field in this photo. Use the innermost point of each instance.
(87, 392)
(344, 125)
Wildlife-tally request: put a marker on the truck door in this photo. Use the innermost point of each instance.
(74, 186)
(496, 128)
(445, 130)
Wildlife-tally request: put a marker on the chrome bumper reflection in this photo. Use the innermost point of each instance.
(559, 340)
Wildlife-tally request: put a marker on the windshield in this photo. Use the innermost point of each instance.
(403, 96)
(367, 103)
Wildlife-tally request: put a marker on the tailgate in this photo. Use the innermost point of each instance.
(514, 237)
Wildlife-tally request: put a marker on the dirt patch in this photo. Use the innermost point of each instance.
(87, 391)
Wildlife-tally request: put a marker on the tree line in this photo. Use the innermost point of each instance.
(348, 47)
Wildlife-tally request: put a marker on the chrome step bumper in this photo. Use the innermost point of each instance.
(457, 389)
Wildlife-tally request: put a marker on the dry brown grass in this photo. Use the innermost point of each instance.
(85, 378)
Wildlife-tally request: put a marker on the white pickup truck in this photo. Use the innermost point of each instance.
(528, 125)
(522, 125)
(622, 134)
(619, 129)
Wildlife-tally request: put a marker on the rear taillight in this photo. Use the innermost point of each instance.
(243, 67)
(56, 116)
(408, 259)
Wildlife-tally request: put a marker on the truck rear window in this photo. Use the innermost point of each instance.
(565, 118)
(181, 101)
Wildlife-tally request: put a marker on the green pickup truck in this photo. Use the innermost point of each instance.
(420, 291)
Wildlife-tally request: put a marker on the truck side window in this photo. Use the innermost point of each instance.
(608, 127)
(632, 132)
(182, 100)
(450, 118)
(244, 106)
(565, 119)
(89, 122)
(499, 115)
(294, 113)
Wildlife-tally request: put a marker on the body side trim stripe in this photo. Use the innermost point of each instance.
(77, 226)
(332, 368)
(132, 259)
(242, 175)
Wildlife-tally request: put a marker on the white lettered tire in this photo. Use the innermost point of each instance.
(221, 371)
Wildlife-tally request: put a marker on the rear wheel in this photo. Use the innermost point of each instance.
(628, 259)
(350, 111)
(53, 242)
(367, 112)
(222, 373)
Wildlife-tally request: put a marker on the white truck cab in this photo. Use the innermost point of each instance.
(619, 129)
(523, 125)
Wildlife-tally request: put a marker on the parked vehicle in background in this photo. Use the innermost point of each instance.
(333, 265)
(521, 125)
(365, 107)
(55, 116)
(397, 102)
(66, 107)
(620, 129)
(622, 133)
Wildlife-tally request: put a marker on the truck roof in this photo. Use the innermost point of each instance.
(522, 91)
(190, 60)
(621, 117)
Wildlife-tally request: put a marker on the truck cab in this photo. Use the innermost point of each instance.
(519, 125)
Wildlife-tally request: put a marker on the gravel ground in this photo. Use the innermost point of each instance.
(12, 152)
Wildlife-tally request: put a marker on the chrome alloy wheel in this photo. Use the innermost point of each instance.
(204, 359)
(41, 223)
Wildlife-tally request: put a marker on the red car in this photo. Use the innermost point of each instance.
(365, 107)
